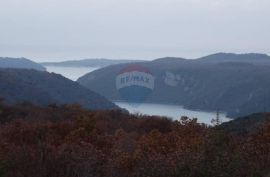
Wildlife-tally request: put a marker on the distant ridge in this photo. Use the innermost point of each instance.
(220, 58)
(255, 58)
(22, 63)
(232, 57)
(89, 62)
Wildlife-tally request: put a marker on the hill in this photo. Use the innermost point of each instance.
(254, 58)
(247, 124)
(88, 63)
(22, 63)
(43, 88)
(236, 86)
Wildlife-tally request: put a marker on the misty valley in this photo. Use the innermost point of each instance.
(172, 111)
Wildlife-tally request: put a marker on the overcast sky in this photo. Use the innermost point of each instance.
(50, 30)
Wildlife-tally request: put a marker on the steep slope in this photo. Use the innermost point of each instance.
(43, 88)
(238, 88)
(22, 63)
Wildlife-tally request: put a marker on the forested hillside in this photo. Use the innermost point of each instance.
(43, 88)
(70, 141)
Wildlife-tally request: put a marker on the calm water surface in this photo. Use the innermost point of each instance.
(172, 111)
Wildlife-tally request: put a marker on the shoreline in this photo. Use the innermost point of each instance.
(171, 104)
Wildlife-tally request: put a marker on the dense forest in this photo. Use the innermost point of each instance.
(69, 141)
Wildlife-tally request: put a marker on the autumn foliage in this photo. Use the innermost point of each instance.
(68, 141)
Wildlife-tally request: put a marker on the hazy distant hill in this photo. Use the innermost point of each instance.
(230, 82)
(43, 88)
(20, 63)
(88, 63)
(254, 58)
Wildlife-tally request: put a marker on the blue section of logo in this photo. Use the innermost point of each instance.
(135, 94)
